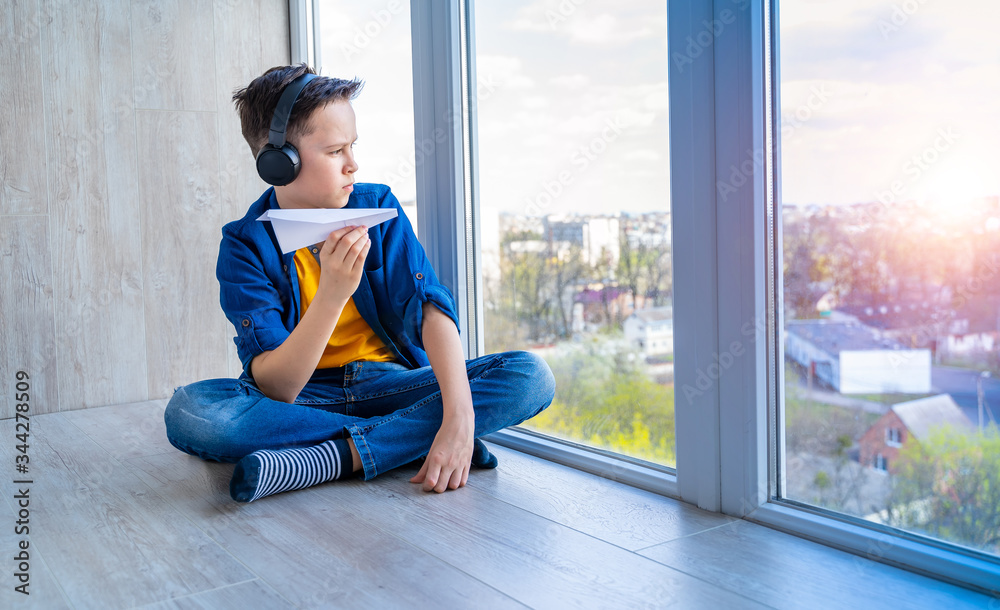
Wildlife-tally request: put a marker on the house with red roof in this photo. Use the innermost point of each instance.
(908, 422)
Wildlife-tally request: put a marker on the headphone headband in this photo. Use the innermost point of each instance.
(283, 110)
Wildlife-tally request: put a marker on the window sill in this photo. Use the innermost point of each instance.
(922, 555)
(644, 475)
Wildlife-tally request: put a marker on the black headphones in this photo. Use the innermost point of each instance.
(278, 162)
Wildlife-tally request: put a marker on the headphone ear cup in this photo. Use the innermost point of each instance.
(278, 166)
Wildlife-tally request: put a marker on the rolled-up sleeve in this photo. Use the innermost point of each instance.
(411, 279)
(250, 300)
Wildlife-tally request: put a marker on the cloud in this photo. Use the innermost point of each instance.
(535, 102)
(504, 70)
(643, 155)
(604, 29)
(851, 48)
(570, 81)
(582, 23)
(890, 88)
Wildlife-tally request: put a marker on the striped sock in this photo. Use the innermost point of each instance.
(267, 472)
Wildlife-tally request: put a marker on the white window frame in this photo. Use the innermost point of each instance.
(304, 33)
(443, 39)
(742, 78)
(730, 436)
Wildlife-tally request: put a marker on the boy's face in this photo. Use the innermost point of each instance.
(327, 172)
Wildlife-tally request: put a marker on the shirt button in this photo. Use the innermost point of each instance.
(419, 275)
(246, 322)
(285, 267)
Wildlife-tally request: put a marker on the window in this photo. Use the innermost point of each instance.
(890, 213)
(738, 391)
(739, 450)
(372, 42)
(575, 212)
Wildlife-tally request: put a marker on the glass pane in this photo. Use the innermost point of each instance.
(890, 184)
(372, 42)
(575, 212)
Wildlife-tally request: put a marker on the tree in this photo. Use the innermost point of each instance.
(530, 277)
(568, 272)
(501, 327)
(658, 265)
(605, 398)
(630, 263)
(645, 271)
(948, 485)
(806, 278)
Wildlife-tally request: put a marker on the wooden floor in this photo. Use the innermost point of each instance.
(120, 519)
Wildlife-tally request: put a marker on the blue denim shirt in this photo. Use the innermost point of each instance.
(260, 287)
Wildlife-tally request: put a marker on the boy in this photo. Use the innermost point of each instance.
(336, 339)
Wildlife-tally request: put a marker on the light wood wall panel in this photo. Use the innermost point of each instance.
(180, 228)
(118, 93)
(174, 62)
(22, 167)
(129, 160)
(96, 247)
(26, 313)
(273, 16)
(238, 57)
(245, 38)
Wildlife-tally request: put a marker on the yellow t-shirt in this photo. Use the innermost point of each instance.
(353, 339)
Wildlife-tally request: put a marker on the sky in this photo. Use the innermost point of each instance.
(573, 107)
(912, 98)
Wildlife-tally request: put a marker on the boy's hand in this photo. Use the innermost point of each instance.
(450, 457)
(342, 259)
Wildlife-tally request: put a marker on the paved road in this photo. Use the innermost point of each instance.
(961, 384)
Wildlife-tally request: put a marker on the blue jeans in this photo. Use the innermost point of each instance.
(391, 412)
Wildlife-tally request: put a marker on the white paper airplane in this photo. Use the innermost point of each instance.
(300, 228)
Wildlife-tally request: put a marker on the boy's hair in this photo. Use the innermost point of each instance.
(255, 103)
